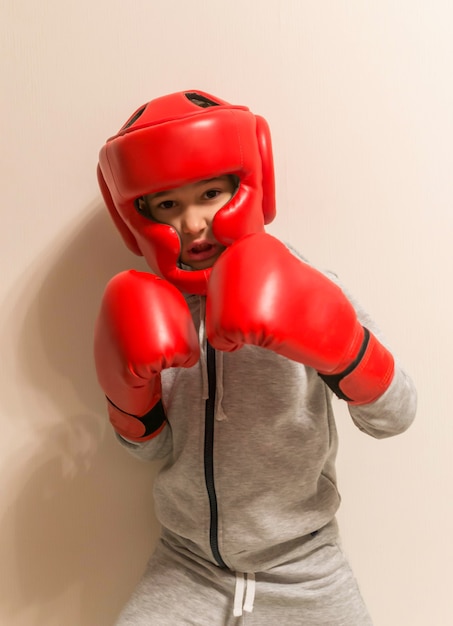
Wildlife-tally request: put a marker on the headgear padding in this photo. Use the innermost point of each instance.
(176, 140)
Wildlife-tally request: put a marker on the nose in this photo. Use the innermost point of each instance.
(194, 220)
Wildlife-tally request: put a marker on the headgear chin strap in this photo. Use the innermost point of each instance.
(173, 141)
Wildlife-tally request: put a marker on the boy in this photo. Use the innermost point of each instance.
(223, 364)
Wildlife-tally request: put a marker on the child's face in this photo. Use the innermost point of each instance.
(190, 209)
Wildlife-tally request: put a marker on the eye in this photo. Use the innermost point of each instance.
(166, 204)
(212, 193)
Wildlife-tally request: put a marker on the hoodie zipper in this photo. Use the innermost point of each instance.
(209, 457)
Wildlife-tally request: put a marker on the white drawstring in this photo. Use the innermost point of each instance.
(238, 594)
(244, 583)
(250, 593)
(219, 412)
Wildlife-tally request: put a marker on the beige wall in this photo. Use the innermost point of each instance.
(359, 96)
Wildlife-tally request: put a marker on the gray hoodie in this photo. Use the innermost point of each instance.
(249, 451)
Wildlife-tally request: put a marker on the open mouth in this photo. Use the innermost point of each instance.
(202, 251)
(201, 248)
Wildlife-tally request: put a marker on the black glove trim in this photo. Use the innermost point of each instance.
(333, 380)
(152, 421)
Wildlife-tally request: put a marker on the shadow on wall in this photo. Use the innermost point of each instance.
(80, 527)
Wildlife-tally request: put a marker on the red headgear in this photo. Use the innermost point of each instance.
(175, 140)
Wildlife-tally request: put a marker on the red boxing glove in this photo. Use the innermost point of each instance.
(261, 294)
(143, 327)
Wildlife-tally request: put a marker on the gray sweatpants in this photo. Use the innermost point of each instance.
(180, 589)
